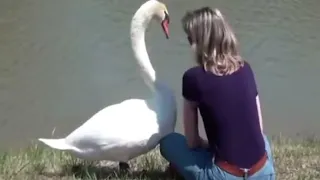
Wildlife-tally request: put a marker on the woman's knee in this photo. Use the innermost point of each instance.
(171, 138)
(170, 141)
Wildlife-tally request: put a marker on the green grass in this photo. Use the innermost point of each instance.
(294, 159)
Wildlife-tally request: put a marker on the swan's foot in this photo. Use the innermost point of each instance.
(123, 166)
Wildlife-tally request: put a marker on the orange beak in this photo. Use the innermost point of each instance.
(165, 25)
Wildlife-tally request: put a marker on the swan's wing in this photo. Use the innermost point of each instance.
(129, 121)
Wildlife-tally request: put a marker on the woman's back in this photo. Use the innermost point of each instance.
(228, 108)
(222, 87)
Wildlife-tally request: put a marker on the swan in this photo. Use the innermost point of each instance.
(123, 131)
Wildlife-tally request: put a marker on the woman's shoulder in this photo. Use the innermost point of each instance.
(244, 69)
(247, 64)
(248, 67)
(198, 71)
(192, 72)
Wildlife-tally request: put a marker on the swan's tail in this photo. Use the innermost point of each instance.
(59, 144)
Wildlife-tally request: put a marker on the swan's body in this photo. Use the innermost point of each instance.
(133, 127)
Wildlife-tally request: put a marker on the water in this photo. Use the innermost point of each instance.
(61, 61)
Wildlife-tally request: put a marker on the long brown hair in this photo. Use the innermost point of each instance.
(216, 45)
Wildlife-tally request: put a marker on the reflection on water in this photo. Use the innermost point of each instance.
(61, 61)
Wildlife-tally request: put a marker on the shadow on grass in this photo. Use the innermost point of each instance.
(96, 172)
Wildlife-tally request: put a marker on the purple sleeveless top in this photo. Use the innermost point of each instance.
(227, 105)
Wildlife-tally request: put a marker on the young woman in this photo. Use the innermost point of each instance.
(223, 88)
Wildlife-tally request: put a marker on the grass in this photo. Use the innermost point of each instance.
(294, 159)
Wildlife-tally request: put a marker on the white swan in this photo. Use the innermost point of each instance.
(133, 127)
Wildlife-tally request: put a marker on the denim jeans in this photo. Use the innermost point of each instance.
(198, 164)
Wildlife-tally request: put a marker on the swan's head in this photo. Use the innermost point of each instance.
(161, 13)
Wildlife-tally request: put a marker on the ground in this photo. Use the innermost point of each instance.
(297, 159)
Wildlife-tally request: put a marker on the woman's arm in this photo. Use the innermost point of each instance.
(259, 112)
(190, 122)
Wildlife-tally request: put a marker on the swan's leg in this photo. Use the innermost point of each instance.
(124, 166)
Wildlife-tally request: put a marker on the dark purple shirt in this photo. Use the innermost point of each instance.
(227, 105)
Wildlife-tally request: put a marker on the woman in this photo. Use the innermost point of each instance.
(222, 87)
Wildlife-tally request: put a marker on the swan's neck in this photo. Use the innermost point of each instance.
(139, 24)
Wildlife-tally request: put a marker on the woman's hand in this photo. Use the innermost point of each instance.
(204, 143)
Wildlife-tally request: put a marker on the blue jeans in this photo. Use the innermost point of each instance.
(198, 164)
